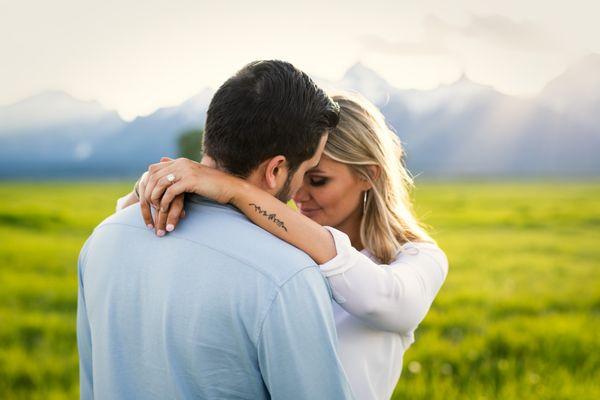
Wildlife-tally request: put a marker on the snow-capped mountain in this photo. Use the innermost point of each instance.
(56, 109)
(576, 93)
(458, 129)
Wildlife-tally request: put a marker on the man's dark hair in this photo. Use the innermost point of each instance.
(268, 108)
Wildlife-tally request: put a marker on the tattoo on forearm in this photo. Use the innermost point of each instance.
(270, 217)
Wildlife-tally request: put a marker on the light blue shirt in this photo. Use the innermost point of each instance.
(218, 309)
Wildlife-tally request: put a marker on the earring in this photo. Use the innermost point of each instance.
(365, 202)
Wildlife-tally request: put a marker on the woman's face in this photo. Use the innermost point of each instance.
(331, 194)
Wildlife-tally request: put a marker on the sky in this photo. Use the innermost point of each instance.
(136, 56)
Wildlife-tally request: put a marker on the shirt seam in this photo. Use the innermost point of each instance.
(268, 310)
(229, 208)
(443, 266)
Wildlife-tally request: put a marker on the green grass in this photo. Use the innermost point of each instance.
(518, 317)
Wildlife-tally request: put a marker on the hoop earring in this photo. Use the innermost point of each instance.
(365, 201)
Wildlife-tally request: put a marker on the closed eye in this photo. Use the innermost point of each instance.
(316, 181)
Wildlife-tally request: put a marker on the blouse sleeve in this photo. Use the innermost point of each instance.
(121, 203)
(394, 297)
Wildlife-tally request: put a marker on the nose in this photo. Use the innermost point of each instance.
(302, 195)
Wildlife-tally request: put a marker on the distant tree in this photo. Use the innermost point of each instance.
(190, 144)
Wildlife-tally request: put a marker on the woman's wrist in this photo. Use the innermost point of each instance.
(239, 188)
(136, 186)
(127, 200)
(136, 189)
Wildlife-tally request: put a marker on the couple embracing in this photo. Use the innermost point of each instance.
(245, 297)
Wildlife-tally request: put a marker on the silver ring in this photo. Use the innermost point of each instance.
(171, 178)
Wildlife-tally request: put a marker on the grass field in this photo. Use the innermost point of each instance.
(518, 317)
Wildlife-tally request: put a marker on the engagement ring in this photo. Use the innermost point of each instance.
(171, 178)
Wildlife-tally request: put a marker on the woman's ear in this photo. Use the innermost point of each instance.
(275, 172)
(374, 172)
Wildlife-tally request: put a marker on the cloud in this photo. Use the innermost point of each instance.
(500, 31)
(428, 46)
(491, 30)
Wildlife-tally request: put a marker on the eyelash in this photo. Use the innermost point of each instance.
(318, 181)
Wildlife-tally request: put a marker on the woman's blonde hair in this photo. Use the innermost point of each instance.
(362, 139)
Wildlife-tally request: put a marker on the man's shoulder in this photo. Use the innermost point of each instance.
(228, 231)
(130, 216)
(211, 227)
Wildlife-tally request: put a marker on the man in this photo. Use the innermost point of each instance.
(220, 309)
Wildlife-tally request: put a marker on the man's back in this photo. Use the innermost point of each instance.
(217, 309)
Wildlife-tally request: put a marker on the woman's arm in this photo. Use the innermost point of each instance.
(259, 206)
(127, 200)
(394, 297)
(282, 221)
(131, 197)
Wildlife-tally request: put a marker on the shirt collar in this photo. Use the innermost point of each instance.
(201, 200)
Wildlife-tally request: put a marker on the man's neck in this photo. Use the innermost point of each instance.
(208, 161)
(254, 178)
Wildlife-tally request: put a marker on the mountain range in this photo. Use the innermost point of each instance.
(455, 130)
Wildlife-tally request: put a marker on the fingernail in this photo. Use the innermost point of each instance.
(150, 226)
(170, 228)
(160, 232)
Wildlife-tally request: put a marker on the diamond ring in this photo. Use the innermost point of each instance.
(171, 178)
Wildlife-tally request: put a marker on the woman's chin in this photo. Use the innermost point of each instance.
(312, 214)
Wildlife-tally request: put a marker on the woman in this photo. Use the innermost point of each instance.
(355, 221)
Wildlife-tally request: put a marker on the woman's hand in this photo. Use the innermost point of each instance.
(187, 177)
(168, 221)
(133, 196)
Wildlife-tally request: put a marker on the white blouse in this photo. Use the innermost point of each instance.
(378, 307)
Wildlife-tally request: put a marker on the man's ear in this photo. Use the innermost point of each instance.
(275, 172)
(374, 172)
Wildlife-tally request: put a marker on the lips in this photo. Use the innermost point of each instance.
(306, 210)
(309, 212)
